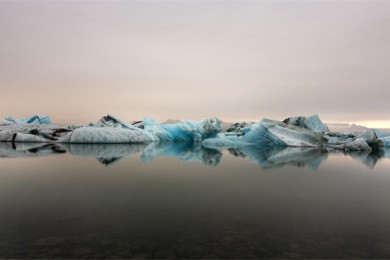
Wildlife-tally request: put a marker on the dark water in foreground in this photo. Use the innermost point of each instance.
(180, 201)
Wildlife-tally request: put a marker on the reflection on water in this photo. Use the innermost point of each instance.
(68, 206)
(265, 157)
(368, 158)
(271, 157)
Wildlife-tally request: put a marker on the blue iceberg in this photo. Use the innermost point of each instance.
(36, 119)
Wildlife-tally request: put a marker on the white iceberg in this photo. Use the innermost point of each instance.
(354, 141)
(270, 133)
(108, 135)
(28, 132)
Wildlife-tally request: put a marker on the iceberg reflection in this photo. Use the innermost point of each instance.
(367, 158)
(106, 154)
(272, 157)
(266, 157)
(16, 150)
(184, 151)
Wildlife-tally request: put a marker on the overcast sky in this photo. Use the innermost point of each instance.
(237, 60)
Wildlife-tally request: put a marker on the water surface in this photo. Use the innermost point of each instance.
(185, 201)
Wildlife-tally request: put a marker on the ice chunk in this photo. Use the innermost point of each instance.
(109, 135)
(382, 133)
(157, 130)
(386, 141)
(296, 132)
(195, 131)
(371, 138)
(36, 119)
(357, 144)
(235, 129)
(185, 130)
(223, 141)
(112, 121)
(21, 132)
(29, 138)
(353, 140)
(384, 136)
(313, 123)
(270, 133)
(109, 130)
(288, 135)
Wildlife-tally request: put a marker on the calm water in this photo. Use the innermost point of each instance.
(184, 201)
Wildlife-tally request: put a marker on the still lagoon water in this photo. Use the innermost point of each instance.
(186, 201)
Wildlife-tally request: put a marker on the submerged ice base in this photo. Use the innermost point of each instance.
(292, 132)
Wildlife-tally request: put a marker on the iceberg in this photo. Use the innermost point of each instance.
(313, 123)
(112, 130)
(386, 141)
(384, 136)
(108, 135)
(382, 133)
(195, 131)
(109, 129)
(354, 141)
(298, 131)
(36, 119)
(28, 132)
(269, 133)
(156, 130)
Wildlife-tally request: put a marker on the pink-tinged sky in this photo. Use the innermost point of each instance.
(237, 60)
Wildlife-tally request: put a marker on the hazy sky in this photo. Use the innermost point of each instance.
(237, 60)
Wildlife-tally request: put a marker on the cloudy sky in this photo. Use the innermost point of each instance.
(237, 60)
